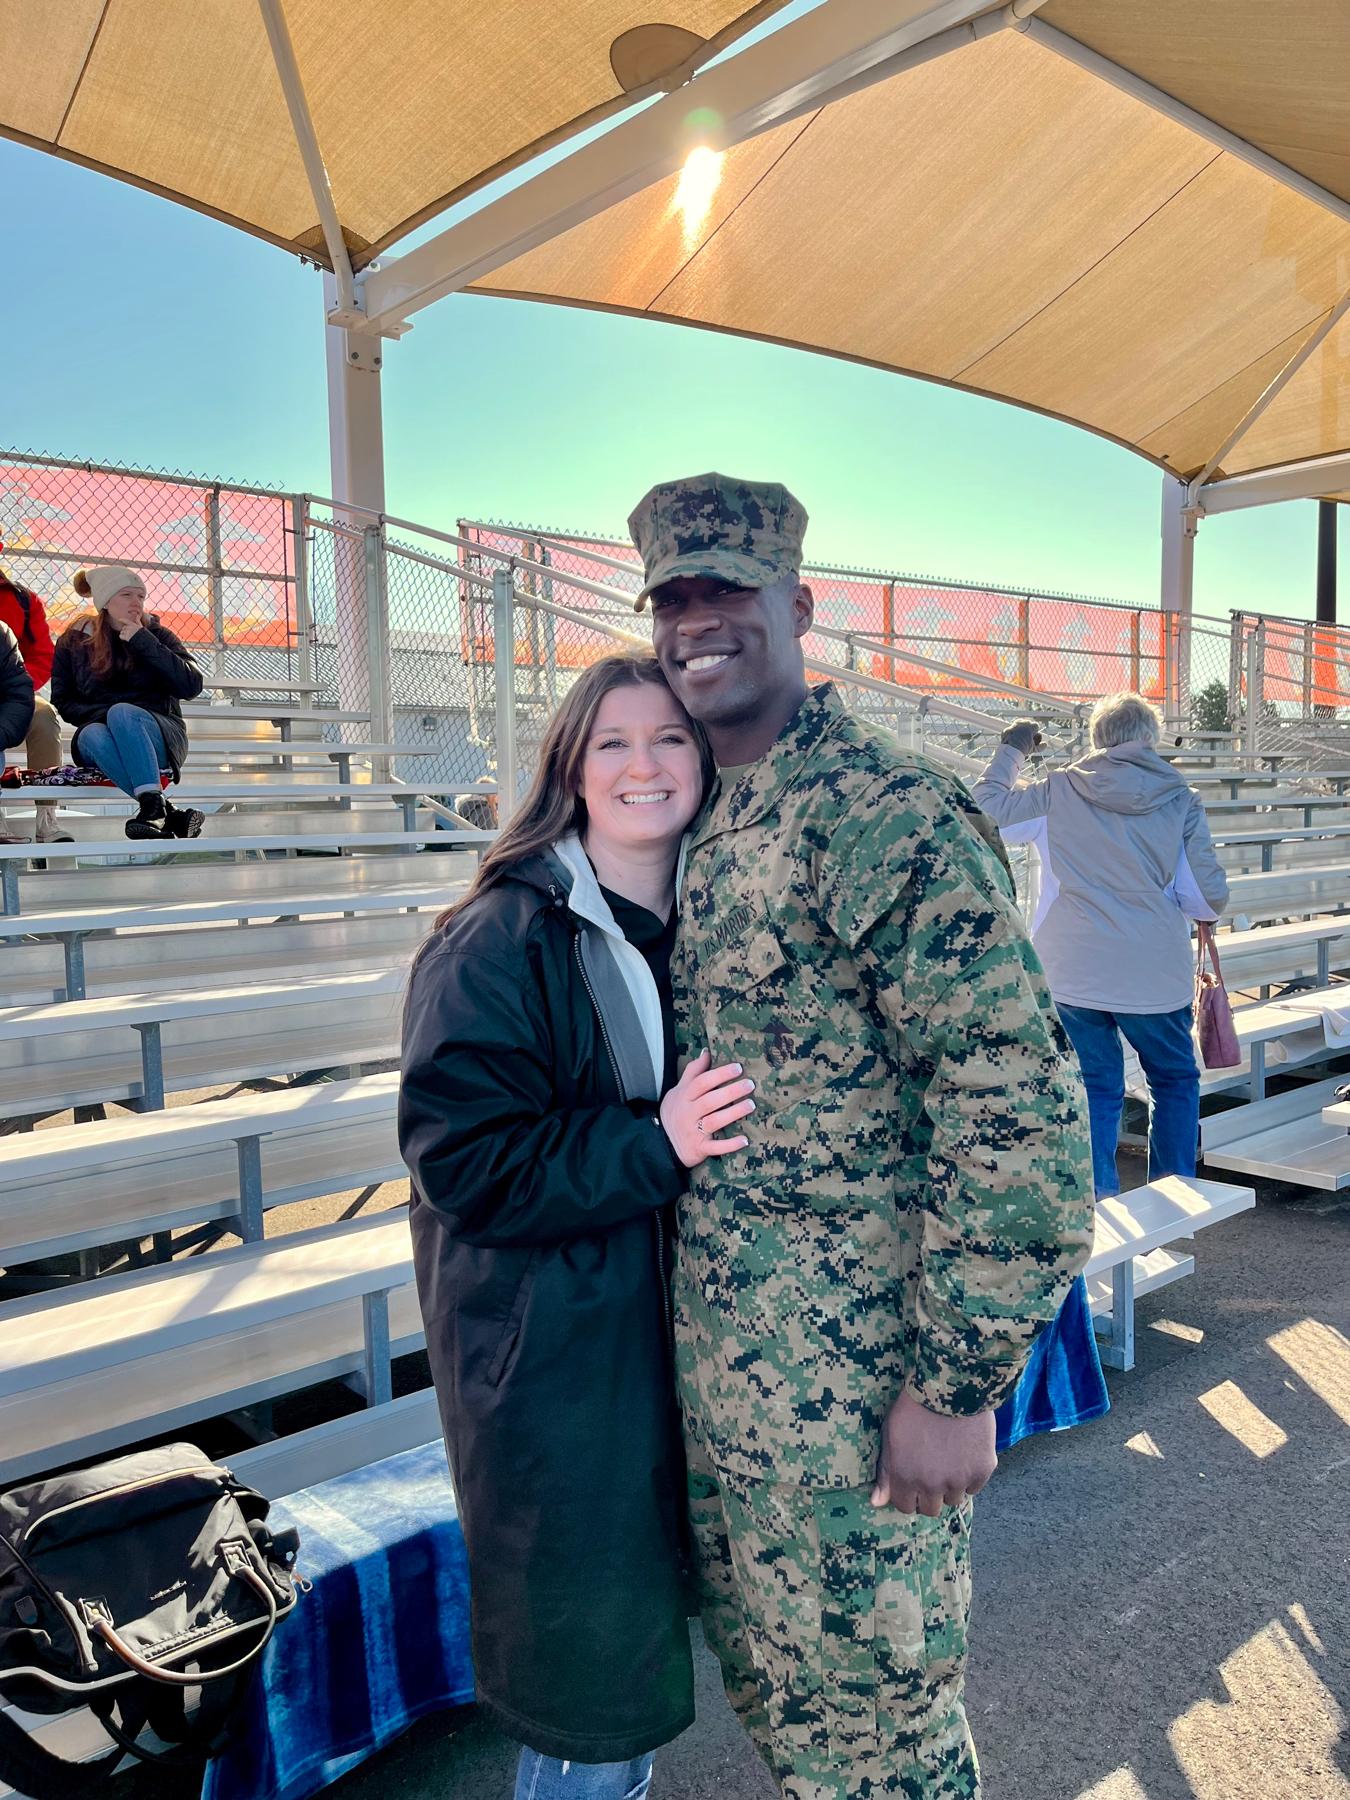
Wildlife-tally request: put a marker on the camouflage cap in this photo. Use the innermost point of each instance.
(748, 532)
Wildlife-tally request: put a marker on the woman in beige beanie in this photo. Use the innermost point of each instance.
(119, 676)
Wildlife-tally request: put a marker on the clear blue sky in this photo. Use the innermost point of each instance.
(140, 332)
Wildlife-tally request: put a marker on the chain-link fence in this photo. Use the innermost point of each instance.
(970, 642)
(223, 565)
(1065, 646)
(389, 626)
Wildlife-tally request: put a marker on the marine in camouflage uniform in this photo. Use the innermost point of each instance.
(914, 1203)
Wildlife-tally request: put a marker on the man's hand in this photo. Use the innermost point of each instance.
(928, 1461)
(1023, 735)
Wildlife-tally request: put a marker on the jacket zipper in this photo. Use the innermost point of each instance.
(604, 1029)
(667, 1301)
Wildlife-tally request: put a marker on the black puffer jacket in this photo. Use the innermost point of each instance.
(541, 1241)
(16, 692)
(162, 674)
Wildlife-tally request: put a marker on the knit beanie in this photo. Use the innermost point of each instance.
(100, 584)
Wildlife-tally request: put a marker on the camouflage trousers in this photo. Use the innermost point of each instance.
(841, 1633)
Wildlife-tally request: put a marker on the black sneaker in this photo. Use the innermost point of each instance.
(152, 819)
(185, 821)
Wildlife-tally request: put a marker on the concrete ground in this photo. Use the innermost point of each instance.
(1162, 1610)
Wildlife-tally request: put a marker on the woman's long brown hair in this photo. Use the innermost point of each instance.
(106, 650)
(553, 808)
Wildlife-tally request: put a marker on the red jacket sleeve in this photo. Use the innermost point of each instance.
(36, 644)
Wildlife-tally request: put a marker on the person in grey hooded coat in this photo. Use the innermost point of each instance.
(1126, 862)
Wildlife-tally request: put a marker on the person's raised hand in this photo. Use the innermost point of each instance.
(928, 1461)
(1024, 735)
(703, 1102)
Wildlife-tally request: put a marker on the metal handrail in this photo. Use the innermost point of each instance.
(922, 701)
(985, 683)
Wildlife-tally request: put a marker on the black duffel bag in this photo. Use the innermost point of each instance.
(145, 1588)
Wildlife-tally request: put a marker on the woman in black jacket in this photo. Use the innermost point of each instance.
(538, 1044)
(119, 675)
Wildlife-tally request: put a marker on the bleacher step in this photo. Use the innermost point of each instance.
(1156, 1270)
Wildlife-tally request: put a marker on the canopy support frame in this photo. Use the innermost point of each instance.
(837, 49)
(1094, 63)
(347, 308)
(1310, 345)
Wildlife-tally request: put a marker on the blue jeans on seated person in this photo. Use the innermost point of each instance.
(1163, 1042)
(128, 749)
(548, 1778)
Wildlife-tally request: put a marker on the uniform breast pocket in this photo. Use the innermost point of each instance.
(765, 1010)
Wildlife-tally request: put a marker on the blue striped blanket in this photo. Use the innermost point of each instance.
(382, 1638)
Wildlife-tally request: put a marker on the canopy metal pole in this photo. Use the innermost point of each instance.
(356, 450)
(504, 679)
(1326, 562)
(1177, 595)
(1326, 603)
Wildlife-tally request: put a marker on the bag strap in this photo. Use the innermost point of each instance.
(37, 1772)
(191, 1741)
(1206, 946)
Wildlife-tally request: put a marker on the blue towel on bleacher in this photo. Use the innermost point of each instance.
(1062, 1384)
(382, 1638)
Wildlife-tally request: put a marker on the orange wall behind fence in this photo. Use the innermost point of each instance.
(1077, 648)
(141, 520)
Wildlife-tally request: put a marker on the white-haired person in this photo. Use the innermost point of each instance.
(119, 676)
(1126, 863)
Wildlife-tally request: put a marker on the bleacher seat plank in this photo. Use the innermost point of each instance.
(340, 1445)
(195, 790)
(1155, 1215)
(1301, 891)
(365, 854)
(199, 1187)
(34, 973)
(23, 1023)
(280, 713)
(97, 1366)
(209, 1038)
(206, 749)
(1131, 1226)
(76, 1149)
(254, 684)
(200, 912)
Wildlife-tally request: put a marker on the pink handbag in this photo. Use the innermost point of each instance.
(1214, 1029)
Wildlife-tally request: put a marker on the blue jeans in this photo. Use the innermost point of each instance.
(1163, 1041)
(548, 1778)
(129, 749)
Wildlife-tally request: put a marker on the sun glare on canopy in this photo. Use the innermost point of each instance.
(696, 189)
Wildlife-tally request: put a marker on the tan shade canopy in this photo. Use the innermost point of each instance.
(414, 102)
(1005, 221)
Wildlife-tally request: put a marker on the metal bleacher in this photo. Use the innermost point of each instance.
(196, 1035)
(198, 1040)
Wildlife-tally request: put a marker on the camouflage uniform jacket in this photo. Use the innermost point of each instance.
(917, 1193)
